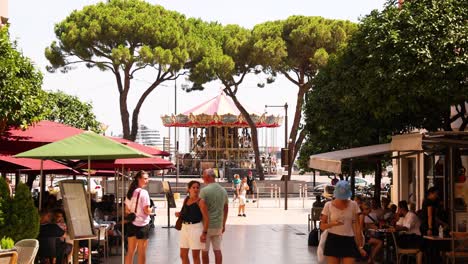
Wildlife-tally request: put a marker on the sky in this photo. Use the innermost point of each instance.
(32, 26)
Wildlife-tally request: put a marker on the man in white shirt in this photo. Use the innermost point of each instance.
(409, 223)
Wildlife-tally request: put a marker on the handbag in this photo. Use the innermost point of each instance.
(132, 216)
(178, 224)
(321, 247)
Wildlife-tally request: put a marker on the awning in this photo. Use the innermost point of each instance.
(332, 161)
(12, 164)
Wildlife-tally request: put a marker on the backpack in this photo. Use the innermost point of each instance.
(314, 237)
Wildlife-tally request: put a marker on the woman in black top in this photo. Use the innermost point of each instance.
(429, 212)
(194, 215)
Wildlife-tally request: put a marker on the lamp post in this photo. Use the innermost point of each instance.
(286, 166)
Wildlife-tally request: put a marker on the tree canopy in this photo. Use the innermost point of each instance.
(296, 48)
(67, 109)
(21, 97)
(401, 70)
(125, 37)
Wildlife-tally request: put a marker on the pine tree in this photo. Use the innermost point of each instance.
(24, 219)
(5, 205)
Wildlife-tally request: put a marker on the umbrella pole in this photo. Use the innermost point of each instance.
(41, 187)
(123, 214)
(89, 206)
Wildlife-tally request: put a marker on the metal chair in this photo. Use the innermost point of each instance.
(314, 216)
(27, 250)
(400, 252)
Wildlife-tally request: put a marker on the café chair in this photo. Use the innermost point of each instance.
(313, 217)
(401, 252)
(8, 257)
(461, 248)
(27, 250)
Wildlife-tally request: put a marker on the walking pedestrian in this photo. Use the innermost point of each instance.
(138, 201)
(243, 188)
(216, 200)
(194, 221)
(252, 186)
(236, 185)
(344, 240)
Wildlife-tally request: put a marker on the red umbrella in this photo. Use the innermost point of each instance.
(146, 149)
(11, 164)
(15, 140)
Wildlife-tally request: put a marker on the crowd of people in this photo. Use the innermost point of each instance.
(357, 228)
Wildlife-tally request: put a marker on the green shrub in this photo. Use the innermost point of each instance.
(5, 207)
(24, 216)
(7, 243)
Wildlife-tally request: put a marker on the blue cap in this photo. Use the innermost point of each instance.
(342, 190)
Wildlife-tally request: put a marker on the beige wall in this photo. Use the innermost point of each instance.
(3, 9)
(408, 179)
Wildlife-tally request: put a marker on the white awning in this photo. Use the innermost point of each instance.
(332, 161)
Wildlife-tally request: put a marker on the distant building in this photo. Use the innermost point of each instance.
(3, 12)
(148, 136)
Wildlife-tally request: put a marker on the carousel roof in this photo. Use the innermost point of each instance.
(218, 111)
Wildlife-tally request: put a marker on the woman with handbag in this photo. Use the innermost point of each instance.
(194, 217)
(138, 210)
(340, 218)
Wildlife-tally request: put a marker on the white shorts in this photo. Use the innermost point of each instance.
(242, 199)
(190, 236)
(214, 237)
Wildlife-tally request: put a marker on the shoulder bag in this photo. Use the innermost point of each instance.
(178, 224)
(132, 216)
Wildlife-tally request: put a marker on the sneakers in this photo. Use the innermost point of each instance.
(239, 215)
(246, 201)
(244, 215)
(254, 201)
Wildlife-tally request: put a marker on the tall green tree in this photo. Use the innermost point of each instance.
(67, 109)
(5, 205)
(296, 48)
(125, 37)
(410, 64)
(21, 96)
(230, 58)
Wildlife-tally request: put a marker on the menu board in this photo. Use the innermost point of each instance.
(77, 211)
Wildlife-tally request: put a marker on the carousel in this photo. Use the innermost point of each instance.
(219, 135)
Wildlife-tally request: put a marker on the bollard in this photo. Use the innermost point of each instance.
(279, 196)
(300, 190)
(304, 191)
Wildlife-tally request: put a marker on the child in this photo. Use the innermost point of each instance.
(237, 182)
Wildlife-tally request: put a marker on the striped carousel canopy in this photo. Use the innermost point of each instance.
(218, 111)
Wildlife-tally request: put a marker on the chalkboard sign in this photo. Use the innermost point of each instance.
(169, 195)
(77, 211)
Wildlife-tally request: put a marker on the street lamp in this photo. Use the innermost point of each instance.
(288, 163)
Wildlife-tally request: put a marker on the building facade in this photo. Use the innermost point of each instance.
(148, 137)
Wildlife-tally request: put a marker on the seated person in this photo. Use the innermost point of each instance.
(318, 202)
(377, 213)
(409, 223)
(59, 219)
(387, 211)
(375, 243)
(50, 230)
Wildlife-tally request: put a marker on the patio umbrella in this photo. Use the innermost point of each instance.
(85, 146)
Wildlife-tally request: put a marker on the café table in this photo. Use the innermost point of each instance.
(435, 246)
(387, 247)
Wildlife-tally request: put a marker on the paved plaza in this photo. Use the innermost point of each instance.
(268, 234)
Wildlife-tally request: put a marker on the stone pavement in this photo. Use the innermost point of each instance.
(267, 235)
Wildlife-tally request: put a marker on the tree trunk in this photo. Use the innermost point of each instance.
(253, 129)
